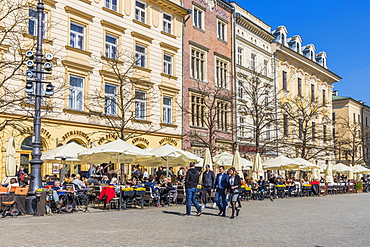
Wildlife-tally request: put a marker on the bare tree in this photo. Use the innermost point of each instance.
(125, 97)
(309, 133)
(348, 141)
(257, 102)
(210, 112)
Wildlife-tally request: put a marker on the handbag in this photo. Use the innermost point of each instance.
(235, 191)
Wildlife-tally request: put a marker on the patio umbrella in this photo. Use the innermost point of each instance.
(358, 169)
(10, 160)
(257, 167)
(341, 168)
(237, 163)
(350, 173)
(280, 163)
(224, 159)
(306, 165)
(117, 151)
(171, 155)
(329, 174)
(207, 159)
(67, 153)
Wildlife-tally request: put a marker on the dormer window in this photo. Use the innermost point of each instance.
(298, 47)
(283, 39)
(311, 55)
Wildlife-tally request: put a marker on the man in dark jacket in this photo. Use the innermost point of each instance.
(191, 183)
(208, 181)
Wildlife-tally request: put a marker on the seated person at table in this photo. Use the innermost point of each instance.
(12, 182)
(135, 183)
(58, 190)
(105, 180)
(114, 181)
(279, 181)
(155, 190)
(77, 181)
(262, 187)
(166, 187)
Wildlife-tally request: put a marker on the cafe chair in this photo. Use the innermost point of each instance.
(12, 203)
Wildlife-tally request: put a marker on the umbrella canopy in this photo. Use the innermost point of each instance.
(350, 173)
(67, 153)
(117, 151)
(171, 155)
(10, 161)
(280, 163)
(223, 159)
(257, 167)
(329, 174)
(237, 163)
(306, 165)
(341, 168)
(207, 160)
(360, 169)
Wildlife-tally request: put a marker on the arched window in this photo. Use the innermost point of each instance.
(27, 143)
(283, 39)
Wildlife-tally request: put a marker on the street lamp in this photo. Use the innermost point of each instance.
(34, 88)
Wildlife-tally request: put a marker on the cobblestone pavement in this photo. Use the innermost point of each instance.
(340, 220)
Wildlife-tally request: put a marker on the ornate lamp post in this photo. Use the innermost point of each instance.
(34, 88)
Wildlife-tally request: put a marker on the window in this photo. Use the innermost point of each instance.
(240, 56)
(197, 18)
(299, 87)
(197, 65)
(243, 130)
(167, 110)
(77, 36)
(253, 61)
(241, 90)
(324, 133)
(221, 27)
(222, 116)
(76, 93)
(298, 47)
(140, 11)
(283, 39)
(285, 81)
(285, 125)
(366, 122)
(265, 65)
(140, 105)
(140, 56)
(110, 99)
(354, 117)
(197, 111)
(221, 74)
(323, 97)
(111, 46)
(111, 4)
(300, 128)
(313, 131)
(32, 22)
(167, 23)
(167, 64)
(267, 98)
(359, 118)
(333, 117)
(268, 132)
(312, 93)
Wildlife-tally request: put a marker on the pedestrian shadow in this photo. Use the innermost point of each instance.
(182, 214)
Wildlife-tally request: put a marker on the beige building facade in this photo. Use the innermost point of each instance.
(103, 48)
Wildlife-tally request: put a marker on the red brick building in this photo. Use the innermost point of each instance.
(208, 76)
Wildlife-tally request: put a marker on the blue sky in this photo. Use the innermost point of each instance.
(341, 28)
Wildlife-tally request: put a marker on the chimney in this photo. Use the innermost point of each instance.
(335, 93)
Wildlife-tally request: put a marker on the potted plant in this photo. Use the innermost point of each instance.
(359, 187)
(38, 192)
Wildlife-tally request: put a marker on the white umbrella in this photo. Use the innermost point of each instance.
(207, 159)
(223, 159)
(306, 165)
(117, 151)
(329, 174)
(280, 163)
(341, 168)
(237, 162)
(67, 153)
(171, 156)
(10, 161)
(350, 173)
(257, 167)
(360, 169)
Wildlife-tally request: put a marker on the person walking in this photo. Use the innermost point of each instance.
(233, 187)
(191, 182)
(208, 181)
(220, 187)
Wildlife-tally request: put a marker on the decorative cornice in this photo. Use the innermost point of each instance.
(198, 45)
(254, 28)
(253, 45)
(112, 26)
(70, 48)
(141, 36)
(168, 34)
(169, 76)
(50, 2)
(112, 12)
(140, 23)
(168, 89)
(173, 7)
(222, 56)
(77, 66)
(169, 47)
(78, 13)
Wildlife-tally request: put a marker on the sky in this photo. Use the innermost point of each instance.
(341, 28)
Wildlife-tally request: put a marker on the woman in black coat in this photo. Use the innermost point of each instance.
(233, 187)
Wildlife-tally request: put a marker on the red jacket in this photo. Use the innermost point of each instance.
(108, 192)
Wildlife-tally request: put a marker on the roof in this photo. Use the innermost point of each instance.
(339, 97)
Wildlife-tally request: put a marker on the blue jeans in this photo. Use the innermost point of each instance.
(191, 197)
(220, 198)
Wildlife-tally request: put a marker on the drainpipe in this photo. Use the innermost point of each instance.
(233, 49)
(276, 102)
